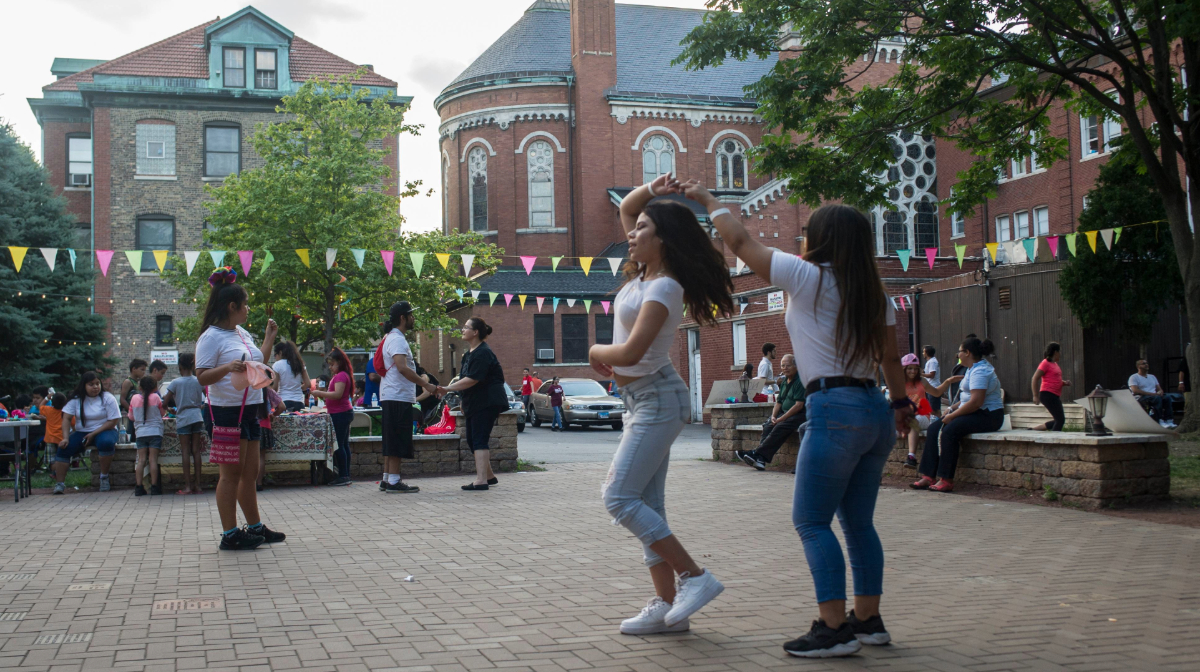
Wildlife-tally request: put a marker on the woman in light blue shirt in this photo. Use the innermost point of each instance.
(980, 409)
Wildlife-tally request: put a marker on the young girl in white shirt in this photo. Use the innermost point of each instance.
(146, 411)
(672, 264)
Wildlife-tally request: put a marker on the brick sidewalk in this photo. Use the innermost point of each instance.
(531, 575)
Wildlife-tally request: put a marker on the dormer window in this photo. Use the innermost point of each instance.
(234, 70)
(264, 69)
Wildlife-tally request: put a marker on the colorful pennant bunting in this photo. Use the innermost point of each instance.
(528, 262)
(540, 300)
(475, 294)
(418, 262)
(71, 253)
(554, 263)
(190, 257)
(521, 298)
(605, 305)
(586, 263)
(1107, 235)
(904, 255)
(105, 258)
(930, 255)
(554, 308)
(960, 251)
(991, 248)
(303, 254)
(1091, 238)
(508, 300)
(18, 255)
(570, 303)
(492, 296)
(1070, 238)
(359, 255)
(587, 305)
(468, 260)
(740, 265)
(50, 254)
(247, 259)
(135, 260)
(1030, 248)
(1118, 236)
(615, 264)
(389, 258)
(160, 259)
(443, 258)
(217, 257)
(1052, 241)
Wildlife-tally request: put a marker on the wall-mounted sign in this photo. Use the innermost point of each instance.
(168, 357)
(775, 301)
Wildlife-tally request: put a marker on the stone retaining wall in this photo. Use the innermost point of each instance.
(726, 437)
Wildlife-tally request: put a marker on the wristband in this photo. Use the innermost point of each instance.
(650, 188)
(719, 211)
(905, 402)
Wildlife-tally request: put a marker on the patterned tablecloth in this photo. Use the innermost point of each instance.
(304, 436)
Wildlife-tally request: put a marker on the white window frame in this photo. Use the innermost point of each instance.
(1041, 220)
(1003, 228)
(540, 149)
(1112, 127)
(1090, 141)
(79, 162)
(1021, 224)
(477, 166)
(667, 150)
(1034, 167)
(162, 149)
(739, 343)
(958, 227)
(725, 178)
(1018, 167)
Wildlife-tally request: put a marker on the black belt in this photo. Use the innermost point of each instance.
(838, 381)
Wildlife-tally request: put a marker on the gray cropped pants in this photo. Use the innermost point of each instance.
(656, 409)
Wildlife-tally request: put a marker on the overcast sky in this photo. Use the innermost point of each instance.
(422, 45)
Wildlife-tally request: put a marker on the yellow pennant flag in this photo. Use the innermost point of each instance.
(160, 258)
(303, 254)
(443, 258)
(18, 255)
(586, 263)
(521, 298)
(991, 248)
(1091, 236)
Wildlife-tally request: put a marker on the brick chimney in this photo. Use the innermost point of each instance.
(594, 59)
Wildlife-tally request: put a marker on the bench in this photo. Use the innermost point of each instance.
(1089, 471)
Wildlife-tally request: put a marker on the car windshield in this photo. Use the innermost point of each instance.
(509, 391)
(583, 388)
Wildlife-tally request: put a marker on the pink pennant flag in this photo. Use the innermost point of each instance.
(930, 253)
(527, 262)
(540, 299)
(247, 257)
(902, 306)
(105, 258)
(388, 258)
(606, 304)
(1052, 241)
(508, 299)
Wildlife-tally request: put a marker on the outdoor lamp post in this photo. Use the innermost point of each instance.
(1098, 400)
(744, 385)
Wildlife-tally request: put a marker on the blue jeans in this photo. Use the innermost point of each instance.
(105, 443)
(850, 434)
(557, 417)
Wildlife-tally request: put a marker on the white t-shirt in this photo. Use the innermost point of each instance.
(664, 290)
(217, 346)
(393, 386)
(97, 410)
(1148, 384)
(290, 384)
(811, 319)
(932, 366)
(765, 370)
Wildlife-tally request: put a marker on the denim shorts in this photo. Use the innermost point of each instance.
(227, 416)
(194, 428)
(149, 442)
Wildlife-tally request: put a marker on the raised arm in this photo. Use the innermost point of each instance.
(756, 255)
(636, 200)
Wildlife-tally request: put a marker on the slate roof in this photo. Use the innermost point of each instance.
(564, 283)
(647, 41)
(184, 56)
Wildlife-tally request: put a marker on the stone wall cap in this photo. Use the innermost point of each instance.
(764, 404)
(1068, 438)
(511, 411)
(416, 437)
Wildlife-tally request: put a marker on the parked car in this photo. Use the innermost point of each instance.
(585, 402)
(515, 403)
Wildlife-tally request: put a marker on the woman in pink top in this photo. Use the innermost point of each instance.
(338, 397)
(1047, 387)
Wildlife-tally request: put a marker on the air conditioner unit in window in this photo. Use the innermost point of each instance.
(81, 180)
(545, 353)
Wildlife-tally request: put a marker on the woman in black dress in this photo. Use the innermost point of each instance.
(481, 386)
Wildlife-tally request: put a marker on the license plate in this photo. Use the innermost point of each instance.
(602, 414)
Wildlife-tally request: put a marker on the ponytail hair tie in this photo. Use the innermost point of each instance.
(222, 276)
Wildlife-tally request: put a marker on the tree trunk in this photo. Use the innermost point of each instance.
(1191, 406)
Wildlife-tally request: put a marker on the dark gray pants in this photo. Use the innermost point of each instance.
(779, 432)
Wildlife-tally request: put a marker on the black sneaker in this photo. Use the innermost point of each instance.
(401, 487)
(269, 536)
(383, 485)
(138, 491)
(751, 459)
(870, 631)
(156, 489)
(240, 540)
(823, 641)
(341, 480)
(911, 462)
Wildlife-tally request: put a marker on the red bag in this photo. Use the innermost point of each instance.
(447, 424)
(377, 361)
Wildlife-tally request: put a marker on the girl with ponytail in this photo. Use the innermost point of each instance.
(222, 350)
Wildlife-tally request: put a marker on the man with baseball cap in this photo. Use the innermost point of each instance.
(397, 395)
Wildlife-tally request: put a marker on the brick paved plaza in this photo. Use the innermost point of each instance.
(531, 575)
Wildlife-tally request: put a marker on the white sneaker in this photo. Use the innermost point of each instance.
(691, 594)
(650, 621)
(105, 484)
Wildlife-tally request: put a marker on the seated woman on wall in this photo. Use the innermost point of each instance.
(917, 387)
(980, 409)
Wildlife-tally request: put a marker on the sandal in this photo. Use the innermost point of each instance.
(185, 491)
(922, 483)
(472, 486)
(942, 486)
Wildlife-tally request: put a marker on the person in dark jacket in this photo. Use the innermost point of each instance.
(481, 386)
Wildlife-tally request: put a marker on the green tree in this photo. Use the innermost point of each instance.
(830, 130)
(1140, 272)
(319, 188)
(51, 340)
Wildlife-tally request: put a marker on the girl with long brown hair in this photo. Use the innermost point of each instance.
(842, 327)
(671, 265)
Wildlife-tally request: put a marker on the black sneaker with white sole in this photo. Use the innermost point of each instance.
(240, 540)
(910, 462)
(269, 536)
(870, 631)
(750, 458)
(383, 485)
(823, 641)
(400, 487)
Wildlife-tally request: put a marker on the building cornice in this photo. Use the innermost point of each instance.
(502, 81)
(504, 116)
(693, 113)
(765, 195)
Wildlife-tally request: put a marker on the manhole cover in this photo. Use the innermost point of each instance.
(197, 604)
(16, 577)
(90, 586)
(62, 638)
(13, 616)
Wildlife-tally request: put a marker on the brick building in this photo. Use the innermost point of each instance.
(132, 142)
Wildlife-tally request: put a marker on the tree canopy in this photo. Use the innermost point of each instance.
(318, 188)
(50, 334)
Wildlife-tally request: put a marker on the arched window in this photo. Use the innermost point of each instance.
(445, 194)
(541, 184)
(895, 55)
(658, 157)
(731, 165)
(895, 232)
(477, 174)
(910, 219)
